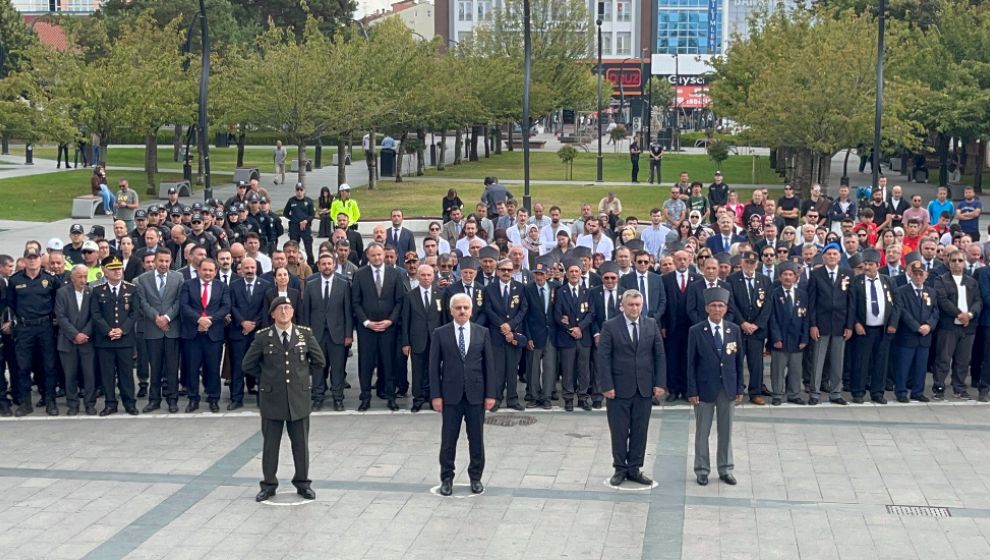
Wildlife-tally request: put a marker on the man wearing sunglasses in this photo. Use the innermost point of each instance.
(959, 305)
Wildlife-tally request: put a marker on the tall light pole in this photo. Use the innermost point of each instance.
(675, 137)
(644, 124)
(527, 67)
(601, 14)
(878, 117)
(204, 80)
(622, 91)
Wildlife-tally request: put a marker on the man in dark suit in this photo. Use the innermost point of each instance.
(573, 318)
(982, 369)
(631, 373)
(462, 387)
(75, 333)
(284, 358)
(960, 305)
(916, 315)
(648, 284)
(158, 297)
(726, 236)
(113, 306)
(247, 314)
(469, 285)
(873, 306)
(831, 322)
(203, 304)
(750, 308)
(399, 237)
(540, 327)
(787, 331)
(695, 306)
(675, 322)
(423, 310)
(715, 383)
(505, 314)
(326, 310)
(376, 297)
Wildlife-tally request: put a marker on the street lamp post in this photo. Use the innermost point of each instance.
(527, 67)
(622, 91)
(878, 117)
(601, 14)
(204, 78)
(675, 137)
(644, 124)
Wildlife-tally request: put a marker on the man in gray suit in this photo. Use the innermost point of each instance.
(158, 298)
(326, 310)
(74, 346)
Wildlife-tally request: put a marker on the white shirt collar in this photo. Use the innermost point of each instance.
(280, 331)
(714, 325)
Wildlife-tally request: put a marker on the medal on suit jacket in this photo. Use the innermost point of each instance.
(730, 347)
(761, 296)
(514, 302)
(845, 283)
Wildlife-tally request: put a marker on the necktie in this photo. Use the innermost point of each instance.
(505, 296)
(460, 342)
(683, 282)
(749, 287)
(725, 244)
(711, 285)
(831, 276)
(584, 282)
(874, 301)
(285, 339)
(395, 236)
(205, 297)
(467, 290)
(161, 284)
(642, 284)
(114, 290)
(225, 279)
(250, 289)
(574, 292)
(546, 304)
(378, 281)
(790, 299)
(609, 305)
(918, 290)
(326, 290)
(718, 339)
(426, 301)
(635, 334)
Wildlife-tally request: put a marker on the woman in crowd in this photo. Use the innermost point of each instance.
(282, 289)
(450, 201)
(323, 213)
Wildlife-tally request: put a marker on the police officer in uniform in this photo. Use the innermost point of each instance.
(284, 358)
(31, 298)
(300, 212)
(113, 307)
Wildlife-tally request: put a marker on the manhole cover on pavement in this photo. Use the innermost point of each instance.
(919, 511)
(510, 420)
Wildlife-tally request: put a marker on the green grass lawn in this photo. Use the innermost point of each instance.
(48, 197)
(419, 199)
(738, 170)
(221, 159)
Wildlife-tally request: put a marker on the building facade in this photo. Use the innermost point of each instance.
(81, 7)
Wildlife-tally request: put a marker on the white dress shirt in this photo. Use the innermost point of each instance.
(871, 319)
(961, 302)
(467, 334)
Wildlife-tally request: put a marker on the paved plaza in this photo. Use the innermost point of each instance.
(813, 483)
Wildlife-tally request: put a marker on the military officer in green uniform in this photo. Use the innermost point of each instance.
(283, 358)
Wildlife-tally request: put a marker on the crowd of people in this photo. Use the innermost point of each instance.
(846, 297)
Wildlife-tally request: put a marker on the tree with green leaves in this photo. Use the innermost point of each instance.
(15, 37)
(329, 15)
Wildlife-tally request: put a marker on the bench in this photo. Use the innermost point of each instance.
(182, 188)
(246, 174)
(86, 206)
(294, 167)
(534, 144)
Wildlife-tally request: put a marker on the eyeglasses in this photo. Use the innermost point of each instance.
(957, 260)
(642, 261)
(505, 270)
(434, 229)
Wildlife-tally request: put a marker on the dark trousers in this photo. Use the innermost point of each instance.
(80, 155)
(985, 366)
(473, 416)
(676, 361)
(204, 356)
(163, 353)
(576, 367)
(752, 347)
(306, 237)
(635, 170)
(376, 349)
(870, 368)
(336, 357)
(541, 375)
(506, 362)
(271, 432)
(143, 361)
(63, 150)
(117, 364)
(29, 340)
(420, 388)
(976, 362)
(78, 362)
(238, 348)
(954, 347)
(628, 423)
(400, 370)
(655, 170)
(910, 367)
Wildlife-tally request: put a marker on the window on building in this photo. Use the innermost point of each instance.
(484, 10)
(623, 10)
(606, 44)
(688, 30)
(608, 9)
(465, 10)
(623, 43)
(77, 6)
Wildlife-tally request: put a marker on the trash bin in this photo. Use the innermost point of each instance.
(222, 140)
(387, 163)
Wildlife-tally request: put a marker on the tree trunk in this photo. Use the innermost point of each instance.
(457, 146)
(803, 173)
(420, 149)
(441, 157)
(241, 140)
(301, 154)
(104, 145)
(177, 144)
(488, 140)
(341, 156)
(980, 163)
(371, 160)
(151, 161)
(511, 130)
(400, 155)
(942, 147)
(498, 140)
(473, 152)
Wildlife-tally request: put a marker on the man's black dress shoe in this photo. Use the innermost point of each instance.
(108, 411)
(672, 397)
(317, 406)
(446, 487)
(193, 406)
(416, 407)
(495, 407)
(264, 494)
(306, 493)
(596, 405)
(23, 410)
(857, 400)
(72, 411)
(173, 407)
(51, 408)
(338, 406)
(569, 406)
(775, 401)
(703, 480)
(813, 401)
(879, 400)
(585, 405)
(477, 487)
(838, 400)
(392, 406)
(517, 406)
(728, 479)
(365, 405)
(797, 400)
(617, 479)
(132, 410)
(638, 477)
(920, 398)
(235, 405)
(214, 407)
(142, 391)
(151, 407)
(90, 410)
(903, 399)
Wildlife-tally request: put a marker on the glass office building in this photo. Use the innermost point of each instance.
(690, 27)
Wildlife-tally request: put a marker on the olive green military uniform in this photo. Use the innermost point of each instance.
(284, 372)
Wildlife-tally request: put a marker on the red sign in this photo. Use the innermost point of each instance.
(630, 78)
(692, 97)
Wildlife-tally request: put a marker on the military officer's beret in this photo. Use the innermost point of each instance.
(716, 294)
(832, 247)
(112, 263)
(277, 302)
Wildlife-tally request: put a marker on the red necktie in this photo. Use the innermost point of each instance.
(205, 299)
(683, 284)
